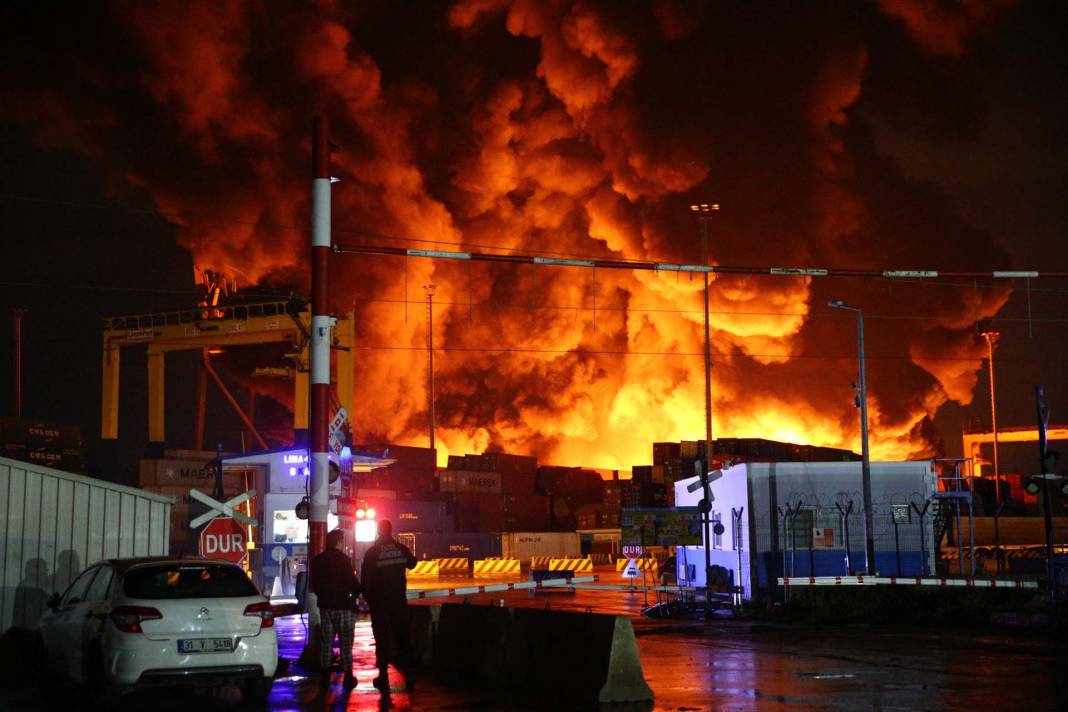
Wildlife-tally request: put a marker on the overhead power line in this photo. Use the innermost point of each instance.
(570, 259)
(910, 274)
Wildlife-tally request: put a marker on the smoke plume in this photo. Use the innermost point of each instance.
(579, 129)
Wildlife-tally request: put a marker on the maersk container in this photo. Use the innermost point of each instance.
(524, 545)
(54, 524)
(444, 545)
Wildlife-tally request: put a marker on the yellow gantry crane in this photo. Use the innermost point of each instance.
(215, 326)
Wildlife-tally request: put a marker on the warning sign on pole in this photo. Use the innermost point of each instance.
(631, 569)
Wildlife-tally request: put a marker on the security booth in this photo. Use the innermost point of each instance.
(280, 548)
(790, 519)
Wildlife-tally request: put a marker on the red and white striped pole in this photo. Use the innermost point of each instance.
(321, 327)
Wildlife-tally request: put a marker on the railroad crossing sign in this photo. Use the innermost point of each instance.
(632, 551)
(225, 509)
(224, 539)
(337, 436)
(712, 477)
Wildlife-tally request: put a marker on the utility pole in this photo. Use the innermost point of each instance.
(319, 376)
(18, 313)
(991, 339)
(429, 289)
(321, 327)
(1046, 459)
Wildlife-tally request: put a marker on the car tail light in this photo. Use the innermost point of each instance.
(128, 619)
(263, 611)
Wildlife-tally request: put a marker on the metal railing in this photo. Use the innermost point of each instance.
(203, 313)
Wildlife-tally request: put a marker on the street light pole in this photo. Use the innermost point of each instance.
(18, 313)
(991, 339)
(865, 457)
(429, 289)
(704, 211)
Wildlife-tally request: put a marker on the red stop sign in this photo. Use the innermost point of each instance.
(223, 538)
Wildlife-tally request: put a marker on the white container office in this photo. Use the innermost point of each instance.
(807, 519)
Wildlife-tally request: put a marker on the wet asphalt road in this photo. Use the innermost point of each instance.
(690, 665)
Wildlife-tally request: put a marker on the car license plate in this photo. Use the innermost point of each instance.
(206, 645)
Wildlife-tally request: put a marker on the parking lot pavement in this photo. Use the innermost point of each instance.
(692, 666)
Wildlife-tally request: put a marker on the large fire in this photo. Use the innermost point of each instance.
(568, 130)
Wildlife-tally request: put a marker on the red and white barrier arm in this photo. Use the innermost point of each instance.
(624, 587)
(493, 588)
(903, 581)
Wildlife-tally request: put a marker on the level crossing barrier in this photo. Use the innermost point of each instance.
(494, 588)
(903, 581)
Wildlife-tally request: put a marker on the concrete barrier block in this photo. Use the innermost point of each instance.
(453, 564)
(585, 658)
(643, 564)
(625, 681)
(470, 641)
(540, 562)
(577, 565)
(426, 568)
(424, 621)
(491, 567)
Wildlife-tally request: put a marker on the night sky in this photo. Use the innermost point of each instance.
(142, 144)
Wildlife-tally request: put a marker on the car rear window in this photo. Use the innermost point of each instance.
(187, 581)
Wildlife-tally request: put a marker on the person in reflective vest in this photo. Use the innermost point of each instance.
(385, 584)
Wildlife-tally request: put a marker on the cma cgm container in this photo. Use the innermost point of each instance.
(523, 545)
(53, 524)
(411, 516)
(471, 545)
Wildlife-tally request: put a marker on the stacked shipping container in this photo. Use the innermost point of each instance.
(42, 443)
(411, 477)
(677, 461)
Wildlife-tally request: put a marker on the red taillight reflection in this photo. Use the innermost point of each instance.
(128, 619)
(263, 611)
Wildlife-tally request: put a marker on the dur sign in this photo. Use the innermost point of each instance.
(224, 539)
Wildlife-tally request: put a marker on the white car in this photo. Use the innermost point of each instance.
(125, 623)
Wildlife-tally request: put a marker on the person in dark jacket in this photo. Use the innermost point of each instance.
(385, 587)
(336, 588)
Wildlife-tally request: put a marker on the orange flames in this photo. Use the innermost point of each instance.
(572, 129)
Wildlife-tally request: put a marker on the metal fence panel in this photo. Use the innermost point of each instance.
(53, 524)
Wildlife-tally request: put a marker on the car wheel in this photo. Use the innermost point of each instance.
(257, 689)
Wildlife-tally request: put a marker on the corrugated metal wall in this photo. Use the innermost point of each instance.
(53, 524)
